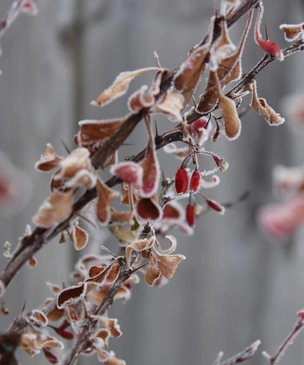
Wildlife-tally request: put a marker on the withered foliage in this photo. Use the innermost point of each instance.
(154, 205)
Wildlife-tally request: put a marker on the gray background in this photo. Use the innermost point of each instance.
(234, 287)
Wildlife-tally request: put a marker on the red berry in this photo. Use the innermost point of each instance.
(195, 181)
(181, 181)
(190, 215)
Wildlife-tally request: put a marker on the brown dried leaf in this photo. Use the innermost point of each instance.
(168, 264)
(292, 31)
(112, 325)
(106, 197)
(190, 71)
(120, 86)
(49, 160)
(139, 246)
(70, 295)
(94, 133)
(39, 317)
(171, 106)
(55, 209)
(121, 217)
(79, 237)
(229, 113)
(261, 106)
(152, 274)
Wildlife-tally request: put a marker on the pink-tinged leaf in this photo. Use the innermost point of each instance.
(148, 209)
(190, 215)
(292, 31)
(301, 314)
(79, 237)
(150, 167)
(55, 209)
(29, 7)
(106, 197)
(261, 106)
(181, 181)
(129, 172)
(267, 46)
(120, 86)
(200, 123)
(280, 221)
(49, 159)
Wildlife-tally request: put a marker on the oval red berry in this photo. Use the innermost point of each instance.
(181, 181)
(190, 215)
(195, 181)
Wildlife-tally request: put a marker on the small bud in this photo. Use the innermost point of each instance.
(195, 181)
(222, 165)
(190, 215)
(200, 123)
(50, 356)
(301, 314)
(181, 181)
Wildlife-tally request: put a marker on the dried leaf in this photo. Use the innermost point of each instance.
(171, 106)
(150, 168)
(39, 317)
(292, 31)
(49, 160)
(120, 86)
(261, 106)
(106, 197)
(79, 237)
(148, 209)
(121, 217)
(189, 73)
(229, 113)
(55, 209)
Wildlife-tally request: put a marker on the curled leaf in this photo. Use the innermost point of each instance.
(106, 197)
(292, 31)
(49, 160)
(120, 86)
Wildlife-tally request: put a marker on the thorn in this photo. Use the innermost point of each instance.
(65, 146)
(156, 129)
(140, 267)
(194, 101)
(155, 54)
(266, 32)
(109, 252)
(85, 219)
(23, 307)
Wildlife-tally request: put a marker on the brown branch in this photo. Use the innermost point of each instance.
(41, 235)
(287, 342)
(125, 272)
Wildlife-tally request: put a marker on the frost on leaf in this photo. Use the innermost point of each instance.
(129, 172)
(261, 106)
(94, 133)
(230, 116)
(105, 199)
(79, 237)
(292, 31)
(190, 71)
(49, 160)
(39, 317)
(150, 168)
(120, 86)
(55, 209)
(76, 170)
(222, 49)
(171, 106)
(267, 46)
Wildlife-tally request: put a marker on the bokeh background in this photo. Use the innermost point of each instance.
(235, 286)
